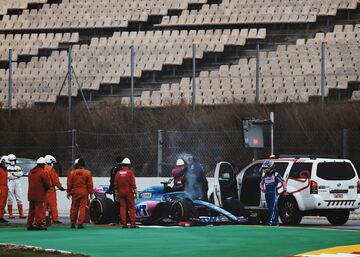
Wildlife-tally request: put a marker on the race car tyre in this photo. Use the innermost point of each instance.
(182, 210)
(289, 212)
(338, 217)
(234, 206)
(101, 210)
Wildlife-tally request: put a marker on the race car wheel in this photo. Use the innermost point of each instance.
(289, 212)
(234, 206)
(101, 210)
(182, 210)
(338, 217)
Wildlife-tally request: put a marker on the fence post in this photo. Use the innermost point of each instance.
(194, 81)
(132, 72)
(345, 140)
(73, 145)
(69, 86)
(10, 84)
(159, 152)
(322, 72)
(257, 75)
(272, 132)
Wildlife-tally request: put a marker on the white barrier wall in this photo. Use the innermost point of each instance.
(64, 203)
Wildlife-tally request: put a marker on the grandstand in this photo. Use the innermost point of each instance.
(162, 32)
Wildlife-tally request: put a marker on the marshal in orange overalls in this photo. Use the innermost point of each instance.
(79, 186)
(3, 191)
(39, 183)
(125, 187)
(51, 201)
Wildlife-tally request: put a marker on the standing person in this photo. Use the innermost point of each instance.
(268, 184)
(39, 183)
(15, 190)
(196, 183)
(79, 188)
(178, 174)
(3, 188)
(51, 201)
(126, 192)
(113, 172)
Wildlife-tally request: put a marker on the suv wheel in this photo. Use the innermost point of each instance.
(289, 212)
(338, 217)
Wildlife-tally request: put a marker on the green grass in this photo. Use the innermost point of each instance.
(212, 241)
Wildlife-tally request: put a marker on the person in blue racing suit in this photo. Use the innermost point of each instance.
(268, 184)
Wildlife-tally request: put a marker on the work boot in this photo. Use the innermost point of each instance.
(80, 226)
(57, 222)
(124, 226)
(10, 210)
(72, 226)
(3, 221)
(31, 228)
(134, 226)
(21, 211)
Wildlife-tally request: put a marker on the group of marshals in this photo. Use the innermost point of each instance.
(43, 181)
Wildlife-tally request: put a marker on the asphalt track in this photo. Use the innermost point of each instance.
(209, 241)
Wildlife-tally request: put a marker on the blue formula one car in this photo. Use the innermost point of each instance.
(161, 205)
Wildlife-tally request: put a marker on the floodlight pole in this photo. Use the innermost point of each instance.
(10, 84)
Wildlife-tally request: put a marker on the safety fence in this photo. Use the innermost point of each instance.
(154, 154)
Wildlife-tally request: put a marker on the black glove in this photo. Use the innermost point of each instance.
(62, 189)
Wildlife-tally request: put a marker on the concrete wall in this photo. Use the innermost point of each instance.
(64, 203)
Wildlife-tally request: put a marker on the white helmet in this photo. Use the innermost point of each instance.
(4, 159)
(126, 161)
(180, 162)
(12, 159)
(41, 160)
(49, 159)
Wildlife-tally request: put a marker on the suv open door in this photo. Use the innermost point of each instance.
(224, 183)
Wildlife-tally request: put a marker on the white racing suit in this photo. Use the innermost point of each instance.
(15, 191)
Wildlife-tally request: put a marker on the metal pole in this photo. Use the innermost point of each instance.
(132, 53)
(345, 140)
(73, 143)
(257, 78)
(10, 84)
(159, 149)
(322, 72)
(272, 132)
(69, 86)
(194, 80)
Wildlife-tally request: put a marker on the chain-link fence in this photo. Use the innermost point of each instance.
(154, 154)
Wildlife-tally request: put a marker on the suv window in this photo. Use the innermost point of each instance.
(280, 167)
(335, 171)
(226, 172)
(301, 170)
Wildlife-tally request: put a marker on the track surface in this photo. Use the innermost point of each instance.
(210, 241)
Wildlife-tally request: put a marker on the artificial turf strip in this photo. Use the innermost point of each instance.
(211, 241)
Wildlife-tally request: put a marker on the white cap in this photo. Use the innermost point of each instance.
(41, 160)
(126, 161)
(180, 162)
(49, 159)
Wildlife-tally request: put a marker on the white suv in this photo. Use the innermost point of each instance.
(316, 187)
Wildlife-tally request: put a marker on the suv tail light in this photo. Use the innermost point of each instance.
(358, 187)
(313, 187)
